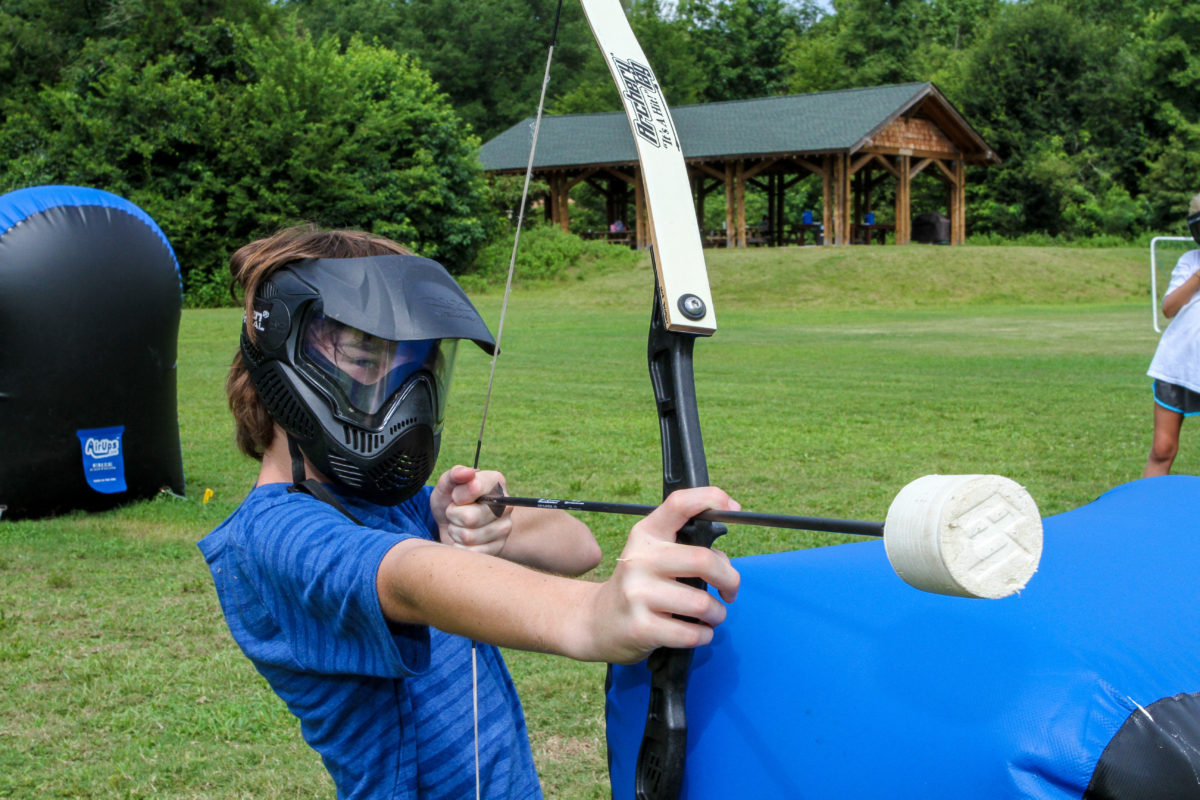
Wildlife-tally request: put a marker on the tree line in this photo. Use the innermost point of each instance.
(225, 119)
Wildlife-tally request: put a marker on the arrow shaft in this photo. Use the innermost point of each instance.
(793, 522)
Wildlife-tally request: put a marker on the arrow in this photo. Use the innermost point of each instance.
(799, 523)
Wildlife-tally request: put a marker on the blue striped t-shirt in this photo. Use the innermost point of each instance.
(389, 708)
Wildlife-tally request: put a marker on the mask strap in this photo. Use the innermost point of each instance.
(299, 473)
(310, 486)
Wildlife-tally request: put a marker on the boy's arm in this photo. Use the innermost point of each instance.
(1179, 297)
(621, 620)
(548, 540)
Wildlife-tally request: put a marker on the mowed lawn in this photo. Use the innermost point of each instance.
(837, 375)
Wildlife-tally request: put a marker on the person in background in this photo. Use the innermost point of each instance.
(356, 589)
(1176, 364)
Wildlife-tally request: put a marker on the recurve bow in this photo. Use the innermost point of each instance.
(683, 311)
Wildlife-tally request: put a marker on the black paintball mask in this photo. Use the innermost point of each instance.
(352, 357)
(1193, 223)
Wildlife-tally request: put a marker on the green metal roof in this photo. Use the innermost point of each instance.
(806, 123)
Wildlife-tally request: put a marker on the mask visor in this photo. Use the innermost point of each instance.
(365, 370)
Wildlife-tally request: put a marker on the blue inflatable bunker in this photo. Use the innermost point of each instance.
(90, 299)
(832, 678)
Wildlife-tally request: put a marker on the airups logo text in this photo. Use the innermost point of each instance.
(102, 448)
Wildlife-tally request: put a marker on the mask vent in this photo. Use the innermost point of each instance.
(283, 406)
(404, 423)
(361, 441)
(251, 352)
(409, 464)
(401, 471)
(346, 472)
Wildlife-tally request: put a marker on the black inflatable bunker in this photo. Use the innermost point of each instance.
(90, 299)
(832, 679)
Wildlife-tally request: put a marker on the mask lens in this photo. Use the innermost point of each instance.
(443, 367)
(366, 369)
(1193, 223)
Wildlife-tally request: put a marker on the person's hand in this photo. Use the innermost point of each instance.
(643, 606)
(461, 521)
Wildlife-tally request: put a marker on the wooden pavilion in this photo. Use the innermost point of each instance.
(854, 140)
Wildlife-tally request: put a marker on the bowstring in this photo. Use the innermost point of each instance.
(512, 262)
(512, 267)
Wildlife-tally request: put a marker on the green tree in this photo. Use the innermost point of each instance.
(487, 56)
(674, 51)
(361, 138)
(1173, 80)
(670, 47)
(877, 39)
(288, 129)
(37, 40)
(1061, 101)
(813, 61)
(740, 44)
(1173, 165)
(368, 19)
(877, 42)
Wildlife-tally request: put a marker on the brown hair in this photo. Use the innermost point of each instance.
(250, 266)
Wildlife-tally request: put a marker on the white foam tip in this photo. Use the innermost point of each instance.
(964, 535)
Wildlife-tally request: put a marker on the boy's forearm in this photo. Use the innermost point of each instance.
(485, 598)
(1177, 299)
(553, 541)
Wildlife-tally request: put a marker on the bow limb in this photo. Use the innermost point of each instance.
(678, 252)
(683, 310)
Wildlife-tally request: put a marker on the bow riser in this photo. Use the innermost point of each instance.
(663, 753)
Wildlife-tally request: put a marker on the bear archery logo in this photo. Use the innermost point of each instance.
(102, 448)
(648, 109)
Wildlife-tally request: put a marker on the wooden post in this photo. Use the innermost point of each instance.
(960, 191)
(772, 208)
(827, 179)
(868, 190)
(858, 196)
(952, 208)
(841, 199)
(739, 192)
(550, 206)
(730, 202)
(904, 202)
(564, 204)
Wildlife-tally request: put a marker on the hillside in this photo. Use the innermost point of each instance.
(885, 277)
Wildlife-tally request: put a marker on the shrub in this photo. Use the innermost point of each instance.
(546, 253)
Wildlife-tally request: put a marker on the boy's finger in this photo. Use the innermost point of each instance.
(666, 520)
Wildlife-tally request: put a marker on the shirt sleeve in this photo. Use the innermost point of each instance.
(314, 575)
(1185, 267)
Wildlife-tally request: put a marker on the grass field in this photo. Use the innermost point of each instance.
(837, 376)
